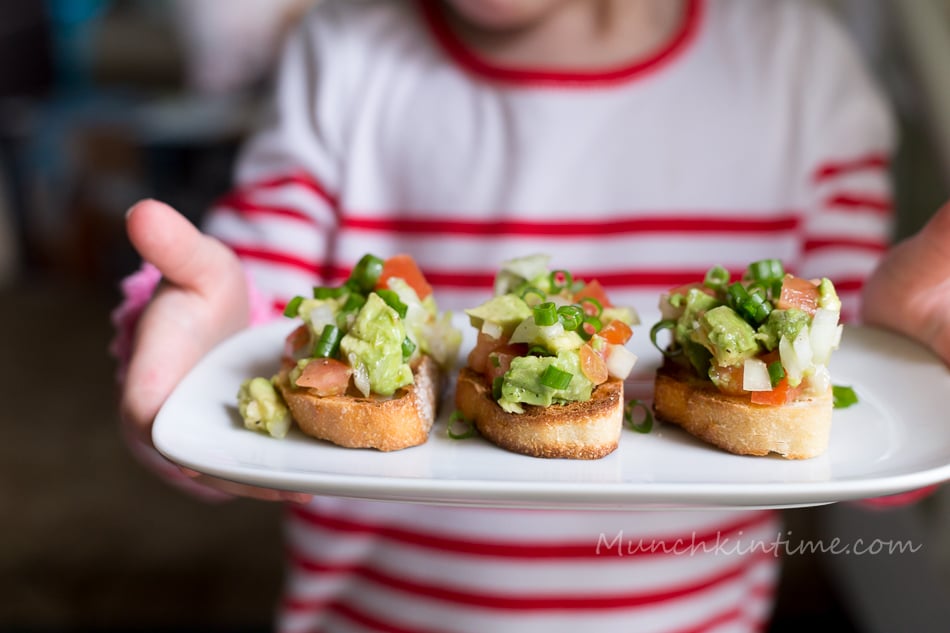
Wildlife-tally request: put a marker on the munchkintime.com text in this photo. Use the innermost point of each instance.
(781, 545)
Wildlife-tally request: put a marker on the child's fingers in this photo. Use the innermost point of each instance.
(184, 255)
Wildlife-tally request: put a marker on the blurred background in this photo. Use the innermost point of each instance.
(105, 102)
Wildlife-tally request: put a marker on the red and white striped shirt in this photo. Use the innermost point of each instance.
(754, 133)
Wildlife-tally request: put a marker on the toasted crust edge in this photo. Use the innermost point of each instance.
(800, 430)
(579, 430)
(389, 424)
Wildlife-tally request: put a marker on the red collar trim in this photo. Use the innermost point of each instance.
(470, 60)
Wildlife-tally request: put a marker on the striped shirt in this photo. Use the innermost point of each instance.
(753, 133)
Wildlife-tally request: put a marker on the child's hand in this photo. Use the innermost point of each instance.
(202, 300)
(910, 290)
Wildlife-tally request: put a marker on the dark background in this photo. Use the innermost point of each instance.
(99, 107)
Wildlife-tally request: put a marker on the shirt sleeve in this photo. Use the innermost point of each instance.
(283, 213)
(849, 137)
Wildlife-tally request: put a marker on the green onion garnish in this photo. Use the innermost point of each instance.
(496, 385)
(843, 396)
(545, 313)
(393, 301)
(329, 342)
(326, 292)
(643, 426)
(590, 326)
(290, 310)
(408, 347)
(556, 378)
(353, 302)
(539, 350)
(591, 306)
(716, 278)
(458, 418)
(532, 296)
(562, 280)
(665, 324)
(766, 270)
(366, 272)
(776, 373)
(571, 316)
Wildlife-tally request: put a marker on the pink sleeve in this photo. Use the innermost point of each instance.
(137, 290)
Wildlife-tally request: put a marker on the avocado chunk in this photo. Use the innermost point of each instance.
(726, 335)
(262, 408)
(787, 323)
(522, 383)
(374, 345)
(508, 311)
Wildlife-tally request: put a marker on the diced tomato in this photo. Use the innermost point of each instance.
(616, 332)
(326, 376)
(499, 361)
(405, 268)
(593, 365)
(798, 293)
(729, 379)
(296, 341)
(593, 290)
(485, 346)
(780, 394)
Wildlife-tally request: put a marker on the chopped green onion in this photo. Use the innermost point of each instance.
(290, 310)
(765, 270)
(556, 378)
(545, 313)
(643, 426)
(353, 302)
(408, 347)
(496, 385)
(737, 294)
(843, 396)
(538, 350)
(327, 292)
(571, 316)
(329, 342)
(776, 373)
(532, 296)
(366, 272)
(665, 324)
(716, 278)
(393, 301)
(458, 418)
(591, 306)
(561, 280)
(590, 326)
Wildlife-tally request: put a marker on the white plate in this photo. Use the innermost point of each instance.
(895, 439)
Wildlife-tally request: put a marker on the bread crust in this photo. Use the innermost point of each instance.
(353, 421)
(799, 430)
(578, 430)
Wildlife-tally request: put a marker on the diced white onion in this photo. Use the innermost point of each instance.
(320, 316)
(824, 331)
(492, 329)
(802, 346)
(360, 375)
(620, 361)
(755, 375)
(796, 356)
(818, 382)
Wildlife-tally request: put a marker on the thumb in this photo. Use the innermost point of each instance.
(166, 239)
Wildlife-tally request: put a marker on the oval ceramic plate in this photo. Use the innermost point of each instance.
(895, 439)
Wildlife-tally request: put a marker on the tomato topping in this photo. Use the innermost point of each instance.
(593, 290)
(728, 379)
(404, 267)
(593, 365)
(798, 293)
(499, 361)
(780, 394)
(616, 332)
(296, 341)
(326, 376)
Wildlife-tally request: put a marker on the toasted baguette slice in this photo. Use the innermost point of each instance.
(579, 430)
(386, 424)
(799, 430)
